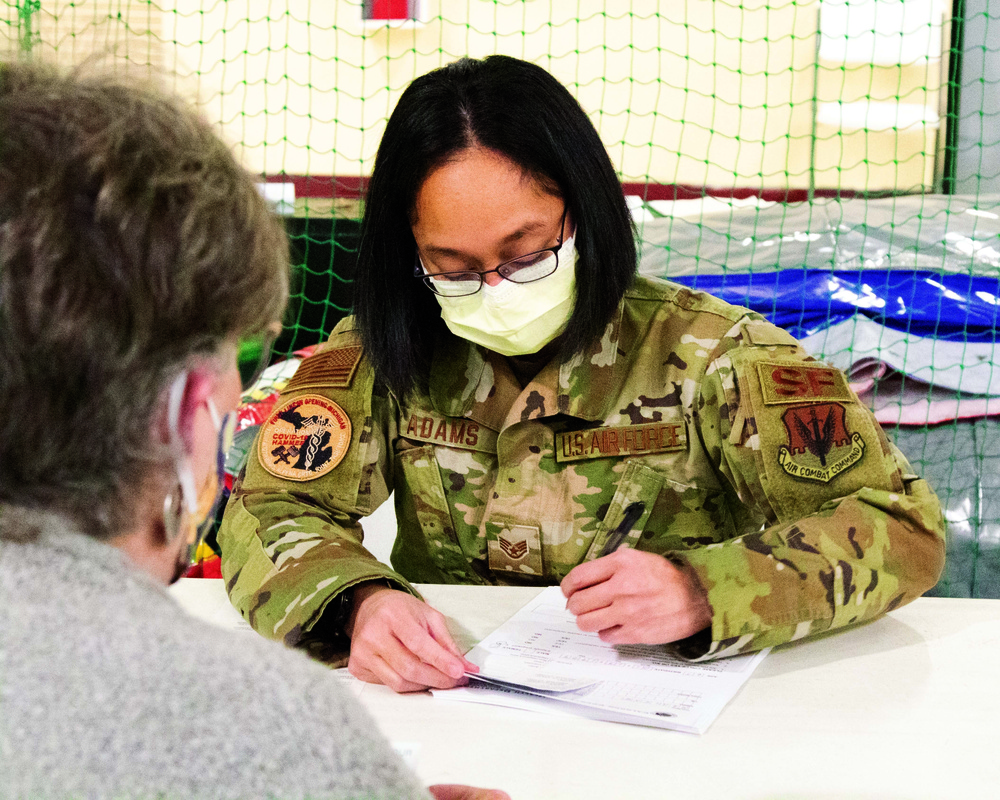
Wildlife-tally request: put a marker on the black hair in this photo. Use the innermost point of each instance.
(519, 110)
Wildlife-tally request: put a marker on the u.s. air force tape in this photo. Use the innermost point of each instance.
(621, 440)
(304, 438)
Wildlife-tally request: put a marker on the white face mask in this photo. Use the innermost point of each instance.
(196, 514)
(515, 319)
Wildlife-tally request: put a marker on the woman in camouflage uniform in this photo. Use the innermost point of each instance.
(686, 471)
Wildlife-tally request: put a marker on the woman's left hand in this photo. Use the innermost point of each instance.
(634, 597)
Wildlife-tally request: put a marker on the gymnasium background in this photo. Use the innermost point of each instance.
(833, 164)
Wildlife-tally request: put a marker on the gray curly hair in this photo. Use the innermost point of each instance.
(131, 242)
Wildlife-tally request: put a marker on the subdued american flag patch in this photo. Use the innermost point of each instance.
(331, 369)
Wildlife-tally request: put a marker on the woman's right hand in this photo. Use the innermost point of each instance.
(455, 791)
(402, 642)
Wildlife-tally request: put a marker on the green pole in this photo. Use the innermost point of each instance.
(28, 36)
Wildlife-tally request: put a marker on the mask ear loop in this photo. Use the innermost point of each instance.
(184, 475)
(224, 426)
(175, 504)
(172, 514)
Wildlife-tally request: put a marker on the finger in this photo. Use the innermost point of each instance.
(411, 667)
(391, 662)
(593, 598)
(617, 634)
(449, 644)
(430, 652)
(428, 639)
(454, 791)
(588, 574)
(600, 620)
(439, 630)
(399, 650)
(379, 671)
(360, 672)
(628, 634)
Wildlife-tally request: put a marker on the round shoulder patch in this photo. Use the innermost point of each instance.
(304, 438)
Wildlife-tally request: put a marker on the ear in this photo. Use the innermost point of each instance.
(198, 385)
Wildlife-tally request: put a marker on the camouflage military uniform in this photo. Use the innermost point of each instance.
(756, 467)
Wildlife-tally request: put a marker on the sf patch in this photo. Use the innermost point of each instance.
(799, 383)
(820, 446)
(304, 438)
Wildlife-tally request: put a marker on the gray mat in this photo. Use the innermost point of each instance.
(961, 461)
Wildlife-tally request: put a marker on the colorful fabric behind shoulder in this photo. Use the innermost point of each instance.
(950, 307)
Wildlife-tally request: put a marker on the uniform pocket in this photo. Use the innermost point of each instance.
(688, 516)
(638, 484)
(423, 481)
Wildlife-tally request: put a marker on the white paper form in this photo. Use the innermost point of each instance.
(540, 659)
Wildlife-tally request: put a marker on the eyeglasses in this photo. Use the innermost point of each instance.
(523, 269)
(255, 354)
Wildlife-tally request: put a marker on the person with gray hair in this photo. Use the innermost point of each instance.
(134, 253)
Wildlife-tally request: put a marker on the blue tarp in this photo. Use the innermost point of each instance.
(946, 306)
(926, 265)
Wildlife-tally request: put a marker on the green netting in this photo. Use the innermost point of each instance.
(769, 148)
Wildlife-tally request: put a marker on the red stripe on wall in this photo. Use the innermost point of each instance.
(355, 186)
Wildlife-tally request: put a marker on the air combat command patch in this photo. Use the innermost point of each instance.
(820, 446)
(304, 438)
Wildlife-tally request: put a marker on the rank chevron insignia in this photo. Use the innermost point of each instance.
(513, 550)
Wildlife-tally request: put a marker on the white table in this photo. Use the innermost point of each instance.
(906, 707)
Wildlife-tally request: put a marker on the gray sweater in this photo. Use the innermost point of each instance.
(108, 689)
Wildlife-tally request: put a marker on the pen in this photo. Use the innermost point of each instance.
(632, 513)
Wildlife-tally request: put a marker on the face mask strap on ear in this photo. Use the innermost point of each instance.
(225, 427)
(175, 398)
(172, 514)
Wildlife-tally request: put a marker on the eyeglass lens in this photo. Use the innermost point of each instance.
(526, 269)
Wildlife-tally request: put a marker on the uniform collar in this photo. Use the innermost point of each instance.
(467, 380)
